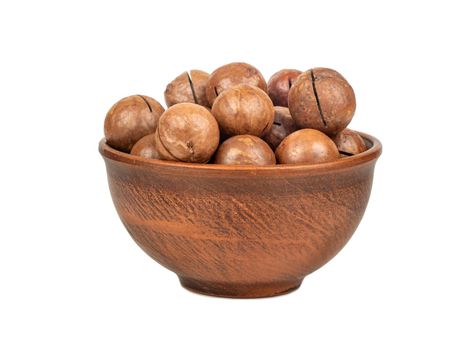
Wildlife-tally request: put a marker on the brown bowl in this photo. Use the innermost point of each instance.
(241, 231)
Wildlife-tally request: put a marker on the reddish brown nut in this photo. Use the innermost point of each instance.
(163, 152)
(188, 87)
(307, 146)
(146, 148)
(322, 99)
(279, 85)
(282, 126)
(245, 150)
(130, 119)
(243, 109)
(322, 72)
(188, 132)
(230, 75)
(349, 142)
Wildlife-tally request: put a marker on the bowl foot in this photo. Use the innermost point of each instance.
(234, 290)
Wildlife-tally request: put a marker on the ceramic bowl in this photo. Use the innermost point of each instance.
(241, 231)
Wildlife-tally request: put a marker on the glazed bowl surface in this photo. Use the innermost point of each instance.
(241, 231)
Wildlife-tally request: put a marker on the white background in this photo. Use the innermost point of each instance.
(72, 278)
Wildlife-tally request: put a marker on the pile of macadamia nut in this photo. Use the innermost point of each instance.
(233, 117)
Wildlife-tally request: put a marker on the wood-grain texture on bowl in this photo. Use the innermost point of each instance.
(241, 231)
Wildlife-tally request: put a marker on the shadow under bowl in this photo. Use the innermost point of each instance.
(241, 231)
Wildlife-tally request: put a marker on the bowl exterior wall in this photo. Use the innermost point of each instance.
(244, 230)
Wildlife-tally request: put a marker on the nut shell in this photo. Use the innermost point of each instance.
(349, 142)
(282, 126)
(230, 75)
(163, 152)
(322, 99)
(130, 119)
(146, 148)
(279, 85)
(188, 87)
(243, 109)
(306, 146)
(245, 150)
(188, 132)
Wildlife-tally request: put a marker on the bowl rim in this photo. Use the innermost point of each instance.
(165, 166)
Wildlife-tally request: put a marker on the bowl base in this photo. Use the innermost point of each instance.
(234, 290)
